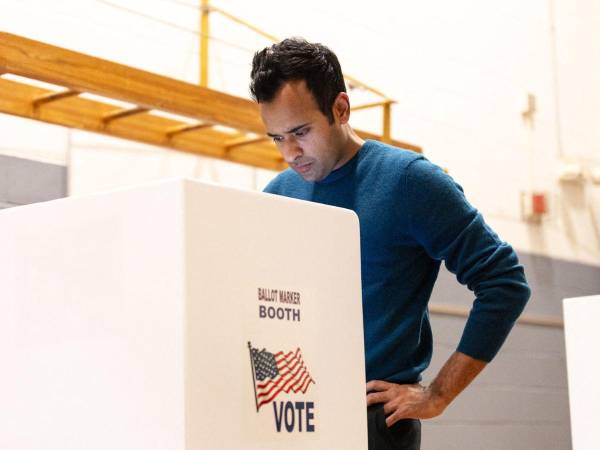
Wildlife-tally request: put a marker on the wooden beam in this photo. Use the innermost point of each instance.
(356, 82)
(204, 41)
(386, 119)
(83, 73)
(243, 141)
(387, 123)
(53, 97)
(371, 105)
(186, 128)
(122, 113)
(84, 114)
(394, 142)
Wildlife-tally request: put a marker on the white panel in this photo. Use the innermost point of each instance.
(90, 325)
(582, 336)
(239, 242)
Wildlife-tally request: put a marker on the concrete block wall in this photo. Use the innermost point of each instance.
(23, 181)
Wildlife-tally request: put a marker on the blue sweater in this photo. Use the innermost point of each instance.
(413, 216)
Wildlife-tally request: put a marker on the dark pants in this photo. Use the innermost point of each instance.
(403, 435)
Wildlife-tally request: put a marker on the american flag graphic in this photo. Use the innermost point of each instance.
(274, 373)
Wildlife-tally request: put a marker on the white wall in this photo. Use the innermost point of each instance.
(461, 72)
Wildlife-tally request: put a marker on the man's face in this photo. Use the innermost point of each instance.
(302, 133)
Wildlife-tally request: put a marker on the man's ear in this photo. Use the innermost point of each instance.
(341, 108)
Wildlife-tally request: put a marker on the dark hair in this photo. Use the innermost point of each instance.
(296, 59)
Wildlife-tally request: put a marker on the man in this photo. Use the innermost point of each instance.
(412, 216)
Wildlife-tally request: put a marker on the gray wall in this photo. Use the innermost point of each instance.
(23, 181)
(520, 401)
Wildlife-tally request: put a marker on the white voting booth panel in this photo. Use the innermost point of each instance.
(582, 337)
(128, 321)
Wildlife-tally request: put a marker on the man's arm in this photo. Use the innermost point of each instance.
(448, 228)
(415, 401)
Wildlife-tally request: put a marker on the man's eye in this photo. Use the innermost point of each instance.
(302, 132)
(277, 138)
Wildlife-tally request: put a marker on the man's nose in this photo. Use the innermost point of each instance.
(290, 150)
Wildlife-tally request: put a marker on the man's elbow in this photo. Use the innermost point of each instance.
(521, 293)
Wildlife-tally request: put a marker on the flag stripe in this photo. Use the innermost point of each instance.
(303, 390)
(283, 370)
(281, 380)
(292, 376)
(286, 388)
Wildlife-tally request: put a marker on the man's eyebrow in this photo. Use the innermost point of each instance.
(292, 130)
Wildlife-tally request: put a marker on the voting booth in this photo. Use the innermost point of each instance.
(182, 316)
(582, 337)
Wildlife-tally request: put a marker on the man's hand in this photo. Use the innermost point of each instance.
(404, 401)
(414, 401)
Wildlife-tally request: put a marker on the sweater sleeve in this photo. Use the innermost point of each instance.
(444, 223)
(272, 187)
